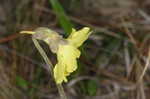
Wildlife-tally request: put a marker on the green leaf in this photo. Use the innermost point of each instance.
(91, 87)
(88, 87)
(21, 82)
(62, 17)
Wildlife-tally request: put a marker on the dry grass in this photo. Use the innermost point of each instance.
(116, 56)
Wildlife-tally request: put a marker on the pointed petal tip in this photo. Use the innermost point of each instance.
(27, 32)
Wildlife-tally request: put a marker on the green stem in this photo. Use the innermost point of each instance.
(50, 65)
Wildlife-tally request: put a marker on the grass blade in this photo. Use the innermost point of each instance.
(62, 17)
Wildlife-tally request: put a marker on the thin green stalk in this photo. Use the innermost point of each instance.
(50, 65)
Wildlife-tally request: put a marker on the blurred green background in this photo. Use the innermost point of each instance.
(112, 60)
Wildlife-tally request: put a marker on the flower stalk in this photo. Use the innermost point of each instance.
(50, 66)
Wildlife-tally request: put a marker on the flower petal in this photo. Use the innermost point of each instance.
(59, 74)
(67, 62)
(76, 38)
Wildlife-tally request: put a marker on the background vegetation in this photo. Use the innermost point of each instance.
(114, 62)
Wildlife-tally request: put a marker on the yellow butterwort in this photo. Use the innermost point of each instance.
(67, 63)
(66, 49)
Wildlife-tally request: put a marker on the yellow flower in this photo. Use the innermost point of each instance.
(68, 54)
(66, 49)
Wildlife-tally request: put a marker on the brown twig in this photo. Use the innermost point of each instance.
(9, 38)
